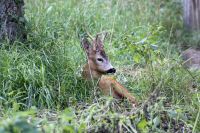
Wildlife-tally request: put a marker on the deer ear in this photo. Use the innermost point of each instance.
(86, 45)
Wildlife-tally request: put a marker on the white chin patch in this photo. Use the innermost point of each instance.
(107, 67)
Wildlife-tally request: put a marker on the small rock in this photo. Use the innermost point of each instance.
(191, 58)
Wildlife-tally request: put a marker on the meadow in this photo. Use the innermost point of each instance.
(41, 88)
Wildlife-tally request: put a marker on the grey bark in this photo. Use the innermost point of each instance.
(191, 14)
(12, 21)
(191, 56)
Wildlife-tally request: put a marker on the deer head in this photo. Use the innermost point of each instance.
(97, 59)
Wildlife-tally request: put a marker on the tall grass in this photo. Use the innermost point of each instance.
(45, 71)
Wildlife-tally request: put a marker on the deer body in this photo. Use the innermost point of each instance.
(98, 66)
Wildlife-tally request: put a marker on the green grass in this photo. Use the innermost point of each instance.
(40, 79)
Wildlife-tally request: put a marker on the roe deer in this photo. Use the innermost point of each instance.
(98, 65)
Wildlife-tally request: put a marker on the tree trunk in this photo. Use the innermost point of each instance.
(191, 56)
(191, 14)
(12, 21)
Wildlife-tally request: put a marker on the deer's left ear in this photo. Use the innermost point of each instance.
(86, 45)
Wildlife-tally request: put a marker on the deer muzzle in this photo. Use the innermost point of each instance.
(112, 70)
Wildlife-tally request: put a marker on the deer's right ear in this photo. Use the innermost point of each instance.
(86, 45)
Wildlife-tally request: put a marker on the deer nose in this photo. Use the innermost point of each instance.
(112, 70)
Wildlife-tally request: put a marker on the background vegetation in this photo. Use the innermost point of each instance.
(41, 89)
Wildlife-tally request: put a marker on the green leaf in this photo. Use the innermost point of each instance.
(69, 129)
(142, 124)
(156, 121)
(172, 113)
(68, 114)
(137, 58)
(82, 128)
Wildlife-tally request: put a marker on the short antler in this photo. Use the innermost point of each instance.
(98, 42)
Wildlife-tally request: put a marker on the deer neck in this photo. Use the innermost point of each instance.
(90, 74)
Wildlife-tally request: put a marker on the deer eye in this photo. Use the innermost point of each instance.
(100, 59)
